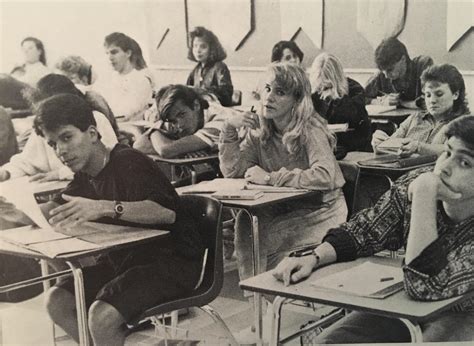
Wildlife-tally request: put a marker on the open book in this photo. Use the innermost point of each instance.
(238, 194)
(226, 184)
(367, 279)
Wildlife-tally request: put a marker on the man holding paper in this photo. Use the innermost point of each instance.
(431, 214)
(119, 185)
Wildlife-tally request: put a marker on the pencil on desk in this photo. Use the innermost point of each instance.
(386, 279)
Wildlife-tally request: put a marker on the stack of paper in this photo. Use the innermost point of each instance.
(338, 127)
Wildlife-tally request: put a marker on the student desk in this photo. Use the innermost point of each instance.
(398, 305)
(250, 207)
(188, 162)
(108, 240)
(395, 116)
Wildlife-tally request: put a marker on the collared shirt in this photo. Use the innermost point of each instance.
(444, 269)
(423, 127)
(408, 86)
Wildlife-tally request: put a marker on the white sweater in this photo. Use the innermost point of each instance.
(38, 157)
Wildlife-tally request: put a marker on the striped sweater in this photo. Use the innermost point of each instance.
(444, 269)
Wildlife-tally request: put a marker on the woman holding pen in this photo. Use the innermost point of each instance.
(288, 144)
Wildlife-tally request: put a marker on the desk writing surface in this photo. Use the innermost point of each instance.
(109, 237)
(399, 112)
(398, 305)
(186, 161)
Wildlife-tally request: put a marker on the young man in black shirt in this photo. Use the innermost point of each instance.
(124, 186)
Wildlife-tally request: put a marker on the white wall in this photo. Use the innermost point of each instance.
(69, 27)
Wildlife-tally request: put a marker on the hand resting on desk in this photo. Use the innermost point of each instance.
(295, 269)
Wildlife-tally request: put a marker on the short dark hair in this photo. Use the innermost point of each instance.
(49, 85)
(389, 52)
(62, 110)
(462, 128)
(170, 94)
(216, 51)
(39, 45)
(126, 43)
(279, 47)
(450, 75)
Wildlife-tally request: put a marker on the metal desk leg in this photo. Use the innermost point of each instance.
(80, 304)
(276, 319)
(257, 297)
(193, 177)
(414, 329)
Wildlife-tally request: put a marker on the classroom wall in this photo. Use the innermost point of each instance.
(68, 27)
(73, 27)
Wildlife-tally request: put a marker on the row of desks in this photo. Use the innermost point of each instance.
(250, 207)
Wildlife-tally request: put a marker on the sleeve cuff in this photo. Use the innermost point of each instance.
(343, 243)
(431, 260)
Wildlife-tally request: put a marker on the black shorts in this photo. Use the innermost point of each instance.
(138, 287)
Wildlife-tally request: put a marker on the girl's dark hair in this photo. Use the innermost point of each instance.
(52, 84)
(39, 46)
(462, 128)
(62, 110)
(216, 51)
(279, 47)
(450, 75)
(126, 43)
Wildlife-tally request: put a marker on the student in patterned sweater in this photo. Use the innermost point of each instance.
(431, 214)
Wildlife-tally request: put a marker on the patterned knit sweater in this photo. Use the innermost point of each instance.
(444, 269)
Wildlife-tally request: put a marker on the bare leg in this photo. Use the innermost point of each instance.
(61, 307)
(106, 324)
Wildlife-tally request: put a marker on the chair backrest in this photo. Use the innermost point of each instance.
(207, 216)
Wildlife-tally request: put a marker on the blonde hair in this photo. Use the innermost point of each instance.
(292, 78)
(327, 68)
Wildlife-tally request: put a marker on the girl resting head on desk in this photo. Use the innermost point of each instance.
(289, 145)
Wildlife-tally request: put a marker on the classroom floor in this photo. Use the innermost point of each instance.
(27, 323)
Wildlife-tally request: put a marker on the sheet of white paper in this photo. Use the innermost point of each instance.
(214, 186)
(20, 192)
(364, 280)
(62, 246)
(30, 235)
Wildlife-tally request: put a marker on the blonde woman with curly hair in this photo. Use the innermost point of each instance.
(288, 144)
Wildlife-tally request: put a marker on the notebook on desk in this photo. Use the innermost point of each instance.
(395, 161)
(238, 194)
(379, 109)
(367, 280)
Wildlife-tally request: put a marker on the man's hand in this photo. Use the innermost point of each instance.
(294, 269)
(76, 211)
(409, 147)
(431, 186)
(256, 175)
(244, 119)
(378, 137)
(392, 99)
(43, 177)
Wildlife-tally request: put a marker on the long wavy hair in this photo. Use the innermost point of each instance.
(39, 45)
(327, 71)
(292, 78)
(126, 43)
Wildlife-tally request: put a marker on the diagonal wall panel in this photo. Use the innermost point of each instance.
(377, 20)
(460, 18)
(309, 18)
(230, 20)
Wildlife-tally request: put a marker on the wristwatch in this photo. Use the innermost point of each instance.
(118, 209)
(307, 252)
(267, 178)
